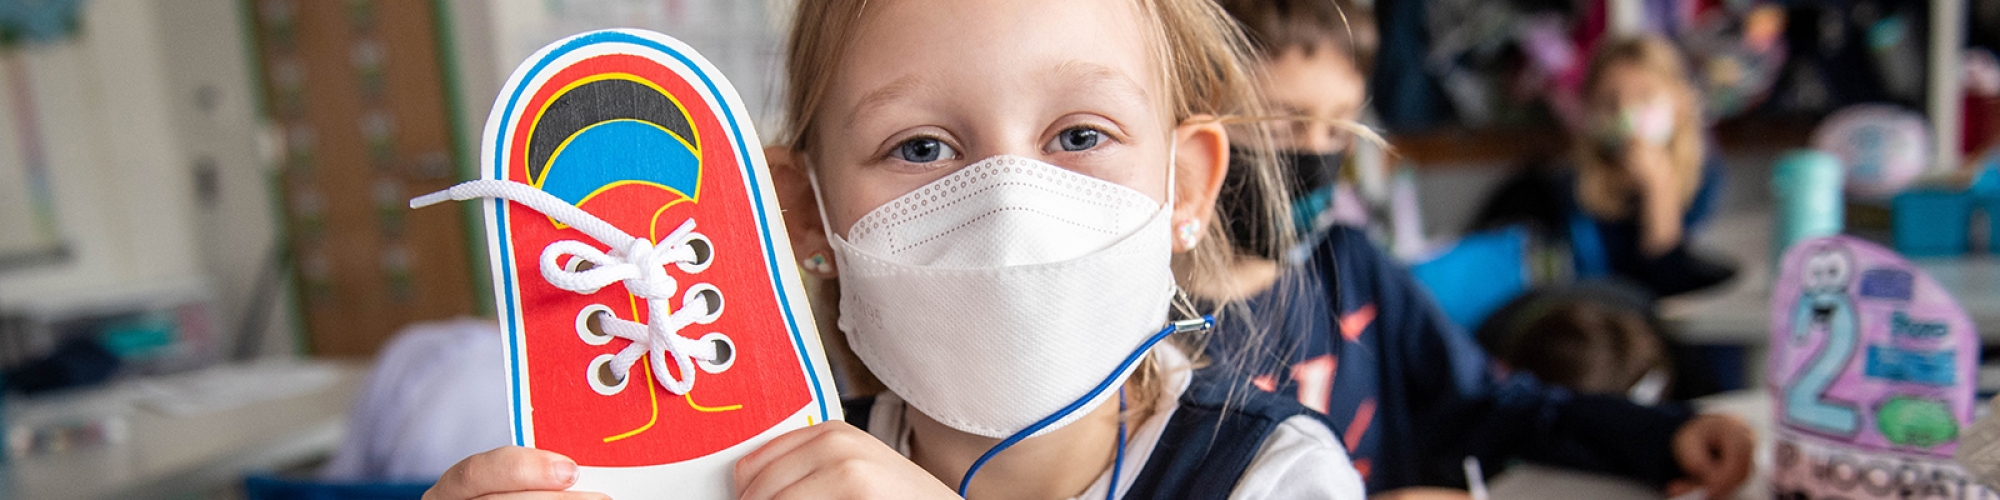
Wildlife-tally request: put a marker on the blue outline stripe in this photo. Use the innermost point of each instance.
(742, 153)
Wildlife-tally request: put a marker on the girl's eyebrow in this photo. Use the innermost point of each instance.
(1085, 74)
(907, 86)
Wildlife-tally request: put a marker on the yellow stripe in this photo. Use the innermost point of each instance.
(710, 409)
(651, 394)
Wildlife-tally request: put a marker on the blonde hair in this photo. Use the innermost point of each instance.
(1684, 148)
(1204, 61)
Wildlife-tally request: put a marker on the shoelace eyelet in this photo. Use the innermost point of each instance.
(602, 379)
(590, 325)
(704, 254)
(708, 296)
(725, 354)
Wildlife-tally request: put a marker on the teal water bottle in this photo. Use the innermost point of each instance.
(1807, 188)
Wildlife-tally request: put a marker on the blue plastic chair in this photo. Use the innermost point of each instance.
(1477, 275)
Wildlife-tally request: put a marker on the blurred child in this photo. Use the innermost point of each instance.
(1642, 181)
(1080, 148)
(1594, 338)
(1591, 349)
(1353, 336)
(1322, 75)
(1643, 178)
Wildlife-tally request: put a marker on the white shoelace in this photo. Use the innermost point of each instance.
(636, 262)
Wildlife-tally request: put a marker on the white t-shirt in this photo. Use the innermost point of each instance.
(434, 397)
(1300, 459)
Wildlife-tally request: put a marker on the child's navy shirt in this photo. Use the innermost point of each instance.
(1409, 394)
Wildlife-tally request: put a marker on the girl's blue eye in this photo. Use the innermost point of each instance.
(923, 150)
(1078, 139)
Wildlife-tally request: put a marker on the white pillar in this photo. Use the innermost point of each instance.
(1625, 17)
(1947, 53)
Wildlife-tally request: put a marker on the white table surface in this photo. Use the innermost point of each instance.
(1534, 482)
(173, 456)
(1738, 312)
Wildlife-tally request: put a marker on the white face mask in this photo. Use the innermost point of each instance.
(995, 296)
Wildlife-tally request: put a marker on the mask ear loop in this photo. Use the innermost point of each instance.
(819, 199)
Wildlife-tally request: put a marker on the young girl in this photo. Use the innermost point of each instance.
(1642, 180)
(1009, 191)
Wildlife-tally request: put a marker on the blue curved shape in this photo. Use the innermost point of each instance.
(619, 151)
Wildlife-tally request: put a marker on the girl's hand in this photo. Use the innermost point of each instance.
(1715, 450)
(832, 460)
(1650, 168)
(1661, 204)
(510, 473)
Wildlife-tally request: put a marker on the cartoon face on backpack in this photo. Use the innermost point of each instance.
(678, 336)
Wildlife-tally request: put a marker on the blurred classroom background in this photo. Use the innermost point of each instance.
(205, 245)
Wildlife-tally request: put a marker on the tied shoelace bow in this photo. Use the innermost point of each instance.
(636, 262)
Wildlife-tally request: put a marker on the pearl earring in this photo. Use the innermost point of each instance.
(1189, 233)
(817, 264)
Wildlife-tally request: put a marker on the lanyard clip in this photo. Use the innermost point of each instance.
(1194, 324)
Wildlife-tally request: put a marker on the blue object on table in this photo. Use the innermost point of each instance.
(1807, 186)
(1477, 275)
(1992, 207)
(276, 488)
(39, 21)
(139, 336)
(1931, 222)
(1986, 187)
(1986, 184)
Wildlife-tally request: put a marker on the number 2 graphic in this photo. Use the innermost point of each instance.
(1824, 302)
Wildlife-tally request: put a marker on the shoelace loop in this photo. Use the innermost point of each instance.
(636, 262)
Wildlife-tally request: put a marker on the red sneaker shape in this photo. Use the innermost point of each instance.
(643, 134)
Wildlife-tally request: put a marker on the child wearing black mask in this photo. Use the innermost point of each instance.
(1321, 76)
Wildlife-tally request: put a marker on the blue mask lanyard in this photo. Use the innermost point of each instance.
(1188, 325)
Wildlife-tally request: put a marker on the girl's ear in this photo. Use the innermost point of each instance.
(1201, 161)
(800, 208)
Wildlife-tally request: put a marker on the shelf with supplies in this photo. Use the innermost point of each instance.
(1505, 147)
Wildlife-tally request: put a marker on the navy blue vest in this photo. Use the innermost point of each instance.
(1207, 445)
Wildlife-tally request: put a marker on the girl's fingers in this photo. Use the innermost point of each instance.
(1691, 450)
(504, 470)
(546, 495)
(1716, 452)
(831, 483)
(1736, 449)
(750, 465)
(822, 453)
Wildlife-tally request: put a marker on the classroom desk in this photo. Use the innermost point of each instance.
(169, 456)
(1528, 482)
(1739, 313)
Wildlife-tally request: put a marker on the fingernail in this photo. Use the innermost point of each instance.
(564, 472)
